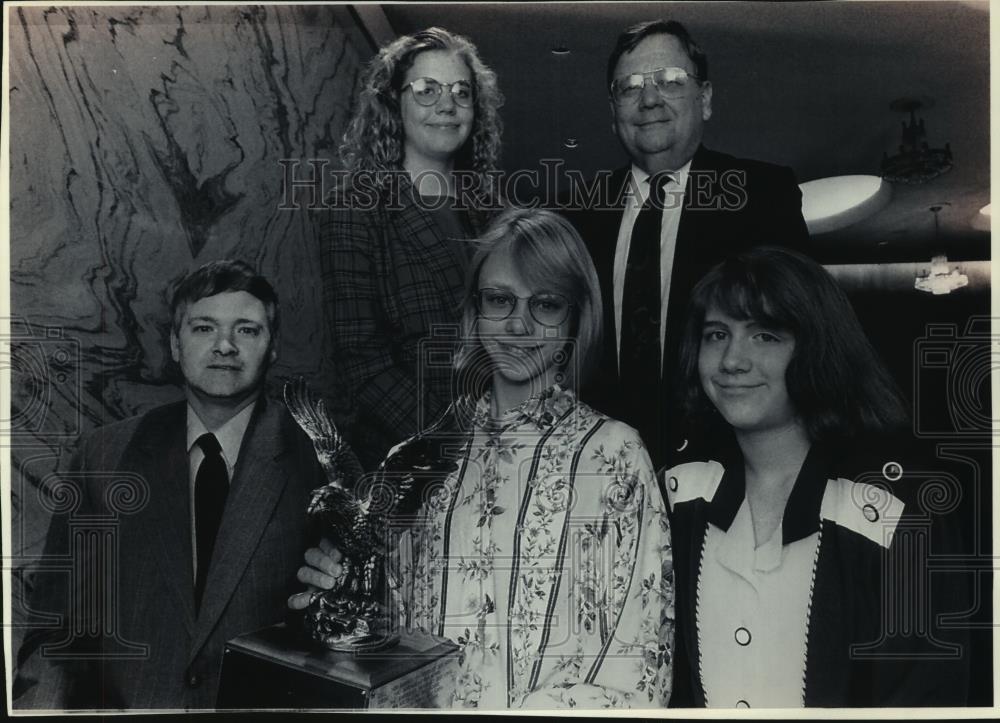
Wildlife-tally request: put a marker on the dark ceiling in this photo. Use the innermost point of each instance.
(803, 84)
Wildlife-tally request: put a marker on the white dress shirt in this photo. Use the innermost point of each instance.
(669, 223)
(230, 436)
(753, 616)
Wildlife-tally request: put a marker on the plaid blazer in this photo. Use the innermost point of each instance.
(393, 287)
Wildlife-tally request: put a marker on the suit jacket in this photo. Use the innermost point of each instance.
(731, 204)
(120, 541)
(390, 279)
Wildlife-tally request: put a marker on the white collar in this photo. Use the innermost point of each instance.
(230, 434)
(640, 179)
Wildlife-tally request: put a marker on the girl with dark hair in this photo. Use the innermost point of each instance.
(420, 152)
(835, 378)
(540, 543)
(781, 547)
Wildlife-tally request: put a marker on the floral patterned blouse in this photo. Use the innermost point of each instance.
(545, 554)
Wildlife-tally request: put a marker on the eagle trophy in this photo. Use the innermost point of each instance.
(357, 516)
(354, 615)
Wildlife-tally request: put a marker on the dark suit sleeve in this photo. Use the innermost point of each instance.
(916, 643)
(778, 200)
(364, 338)
(46, 680)
(933, 664)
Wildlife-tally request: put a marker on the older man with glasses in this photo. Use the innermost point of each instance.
(674, 212)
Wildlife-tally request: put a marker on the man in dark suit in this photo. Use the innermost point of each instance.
(662, 222)
(176, 530)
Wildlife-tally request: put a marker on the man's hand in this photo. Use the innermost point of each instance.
(322, 571)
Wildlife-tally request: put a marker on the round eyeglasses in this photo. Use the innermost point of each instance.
(427, 91)
(671, 83)
(548, 308)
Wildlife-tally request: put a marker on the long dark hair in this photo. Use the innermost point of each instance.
(835, 379)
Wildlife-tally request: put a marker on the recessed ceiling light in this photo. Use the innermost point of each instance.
(560, 50)
(571, 143)
(833, 203)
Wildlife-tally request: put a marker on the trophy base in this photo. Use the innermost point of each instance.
(364, 644)
(348, 633)
(274, 668)
(349, 625)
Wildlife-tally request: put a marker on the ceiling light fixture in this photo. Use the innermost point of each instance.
(916, 162)
(829, 204)
(941, 278)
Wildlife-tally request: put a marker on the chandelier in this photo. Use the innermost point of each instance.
(941, 278)
(916, 162)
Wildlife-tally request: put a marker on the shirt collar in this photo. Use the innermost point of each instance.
(543, 410)
(230, 434)
(640, 179)
(801, 517)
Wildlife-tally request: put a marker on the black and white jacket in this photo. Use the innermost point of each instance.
(870, 592)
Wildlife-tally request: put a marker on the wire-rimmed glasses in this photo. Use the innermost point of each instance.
(427, 91)
(547, 308)
(671, 83)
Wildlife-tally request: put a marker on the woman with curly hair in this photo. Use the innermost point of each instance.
(801, 542)
(534, 535)
(421, 149)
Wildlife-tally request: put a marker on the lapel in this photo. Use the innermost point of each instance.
(421, 234)
(603, 241)
(257, 484)
(690, 629)
(699, 242)
(159, 454)
(692, 220)
(710, 231)
(802, 510)
(488, 206)
(605, 236)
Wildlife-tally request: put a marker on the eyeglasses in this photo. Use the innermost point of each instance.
(427, 91)
(548, 309)
(670, 82)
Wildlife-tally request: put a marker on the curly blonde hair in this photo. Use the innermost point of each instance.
(374, 137)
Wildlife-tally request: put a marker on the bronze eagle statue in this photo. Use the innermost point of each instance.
(357, 514)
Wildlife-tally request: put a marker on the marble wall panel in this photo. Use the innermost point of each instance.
(145, 141)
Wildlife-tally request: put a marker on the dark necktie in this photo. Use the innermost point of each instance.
(639, 358)
(211, 486)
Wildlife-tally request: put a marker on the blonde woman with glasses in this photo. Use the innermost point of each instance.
(541, 547)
